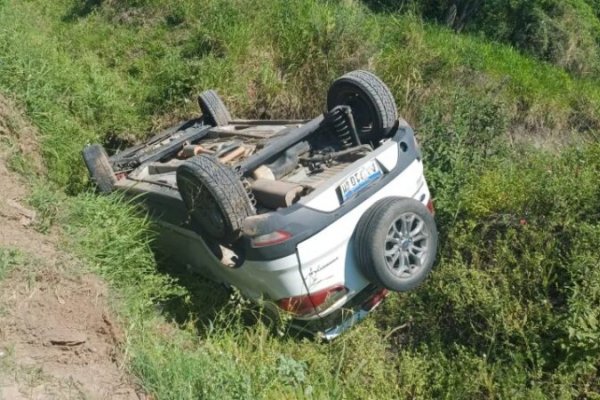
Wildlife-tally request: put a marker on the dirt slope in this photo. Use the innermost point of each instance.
(58, 339)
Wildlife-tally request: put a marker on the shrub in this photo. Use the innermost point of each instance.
(516, 289)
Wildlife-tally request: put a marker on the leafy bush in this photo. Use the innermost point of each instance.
(516, 290)
(460, 132)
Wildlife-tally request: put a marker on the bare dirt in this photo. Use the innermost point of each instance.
(58, 336)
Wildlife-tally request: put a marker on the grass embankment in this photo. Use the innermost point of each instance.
(512, 307)
(563, 32)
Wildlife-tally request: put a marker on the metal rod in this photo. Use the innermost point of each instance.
(278, 145)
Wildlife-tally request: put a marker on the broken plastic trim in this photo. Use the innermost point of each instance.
(314, 303)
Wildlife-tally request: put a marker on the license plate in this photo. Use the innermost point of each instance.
(360, 179)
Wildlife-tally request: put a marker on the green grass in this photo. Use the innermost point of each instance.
(511, 309)
(9, 259)
(565, 33)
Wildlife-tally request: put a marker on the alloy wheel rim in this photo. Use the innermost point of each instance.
(406, 245)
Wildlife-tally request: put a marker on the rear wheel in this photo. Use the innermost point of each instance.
(396, 243)
(372, 103)
(214, 197)
(213, 109)
(99, 167)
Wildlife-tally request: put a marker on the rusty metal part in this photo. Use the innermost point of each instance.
(263, 132)
(276, 194)
(263, 172)
(266, 122)
(255, 224)
(250, 148)
(223, 148)
(191, 150)
(233, 154)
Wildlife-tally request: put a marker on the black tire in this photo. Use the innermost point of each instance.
(99, 167)
(214, 196)
(371, 101)
(414, 254)
(213, 109)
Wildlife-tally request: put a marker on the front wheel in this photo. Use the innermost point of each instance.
(396, 243)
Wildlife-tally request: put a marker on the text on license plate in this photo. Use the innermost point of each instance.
(360, 179)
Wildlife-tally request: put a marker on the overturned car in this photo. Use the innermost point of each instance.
(319, 218)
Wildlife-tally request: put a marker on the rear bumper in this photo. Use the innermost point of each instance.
(344, 318)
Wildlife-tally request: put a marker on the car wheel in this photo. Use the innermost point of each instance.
(214, 196)
(396, 243)
(99, 167)
(213, 109)
(372, 103)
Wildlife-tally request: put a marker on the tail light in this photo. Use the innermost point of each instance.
(270, 239)
(313, 303)
(374, 300)
(430, 206)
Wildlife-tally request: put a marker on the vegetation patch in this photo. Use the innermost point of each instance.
(511, 309)
(9, 259)
(565, 33)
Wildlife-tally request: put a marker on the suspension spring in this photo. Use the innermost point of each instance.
(248, 188)
(342, 130)
(342, 122)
